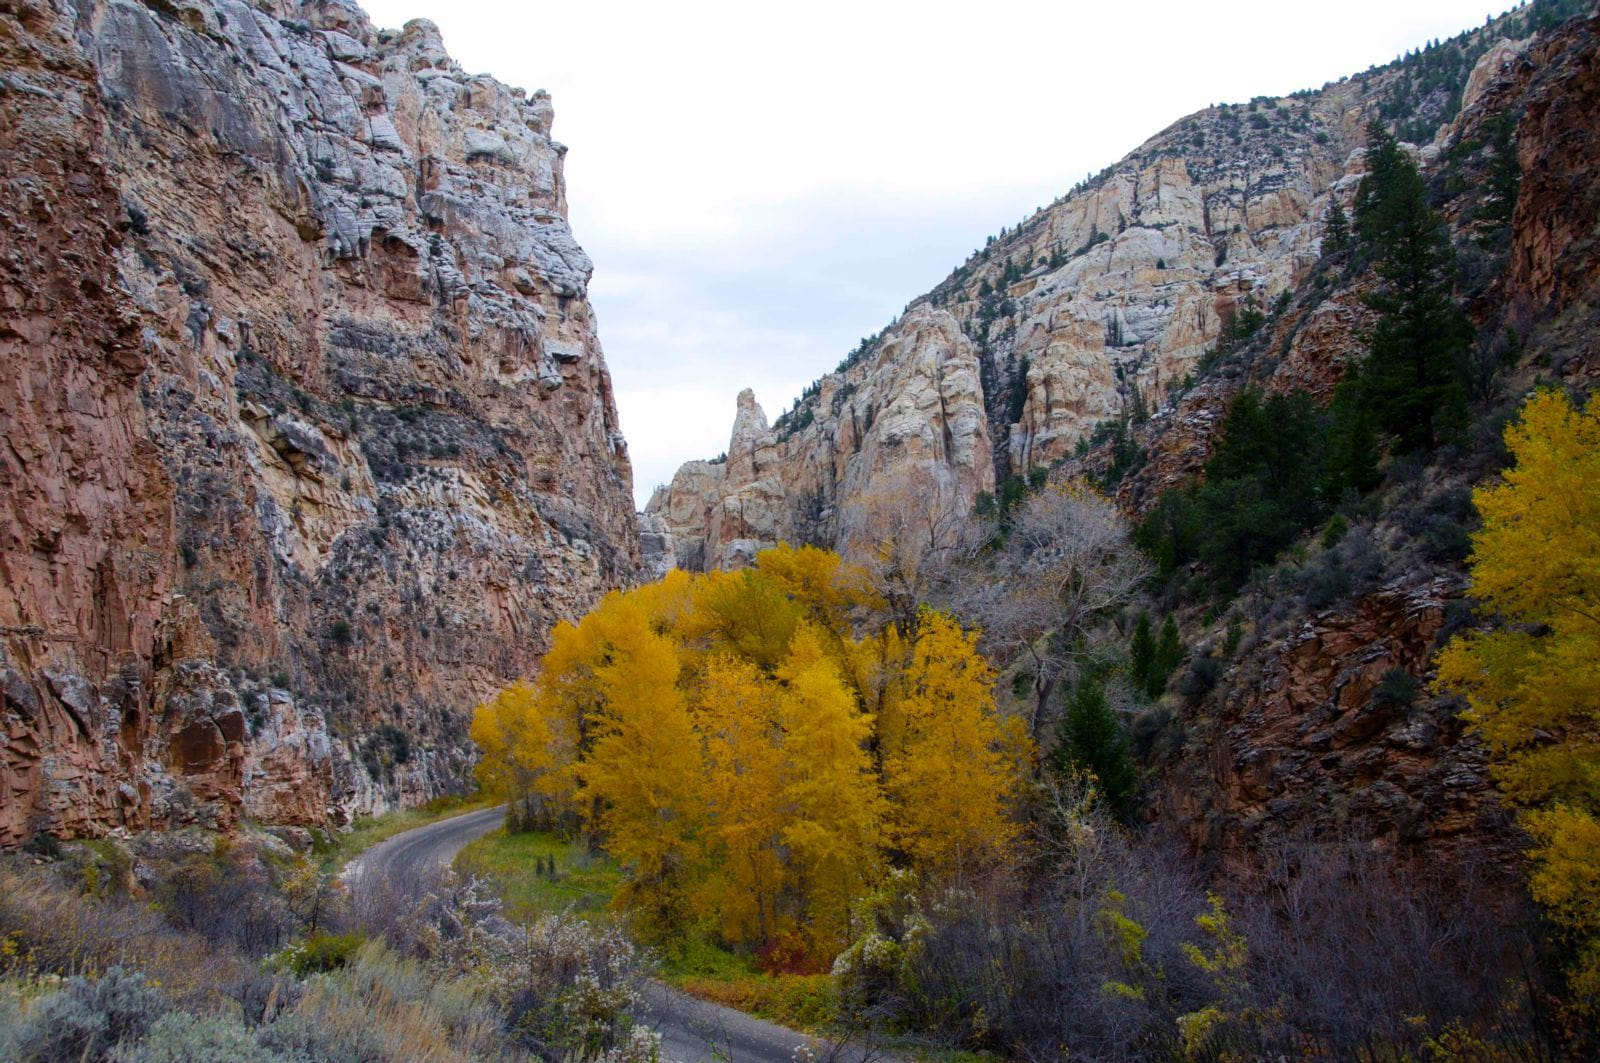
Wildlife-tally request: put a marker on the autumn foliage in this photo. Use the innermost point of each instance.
(758, 748)
(1533, 684)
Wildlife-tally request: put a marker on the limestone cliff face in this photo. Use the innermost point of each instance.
(310, 437)
(908, 414)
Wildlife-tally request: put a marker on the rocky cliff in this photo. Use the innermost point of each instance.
(309, 435)
(908, 414)
(1322, 722)
(1099, 307)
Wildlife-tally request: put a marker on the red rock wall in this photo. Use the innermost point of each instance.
(310, 439)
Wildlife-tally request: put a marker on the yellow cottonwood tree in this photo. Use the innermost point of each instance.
(527, 751)
(643, 773)
(745, 614)
(946, 772)
(729, 736)
(822, 584)
(835, 808)
(736, 714)
(1533, 685)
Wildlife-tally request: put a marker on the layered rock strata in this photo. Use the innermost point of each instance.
(310, 436)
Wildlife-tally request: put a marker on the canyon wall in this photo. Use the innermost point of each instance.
(310, 436)
(907, 417)
(1098, 307)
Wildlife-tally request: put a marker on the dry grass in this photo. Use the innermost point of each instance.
(47, 929)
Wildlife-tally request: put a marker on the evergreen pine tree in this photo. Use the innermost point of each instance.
(1352, 447)
(1504, 178)
(1141, 653)
(1169, 651)
(1091, 740)
(1412, 378)
(1336, 230)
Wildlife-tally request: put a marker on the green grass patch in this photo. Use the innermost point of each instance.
(700, 967)
(333, 850)
(534, 873)
(805, 1002)
(519, 867)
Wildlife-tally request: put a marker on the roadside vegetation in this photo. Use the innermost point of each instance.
(192, 948)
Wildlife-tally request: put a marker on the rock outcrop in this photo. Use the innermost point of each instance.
(905, 415)
(310, 437)
(1329, 732)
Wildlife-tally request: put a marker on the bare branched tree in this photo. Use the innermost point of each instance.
(908, 531)
(1065, 566)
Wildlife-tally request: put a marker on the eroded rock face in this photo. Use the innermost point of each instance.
(910, 411)
(310, 435)
(1330, 731)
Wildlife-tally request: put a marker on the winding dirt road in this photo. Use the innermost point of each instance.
(692, 1030)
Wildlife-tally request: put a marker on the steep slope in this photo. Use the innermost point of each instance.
(1096, 308)
(310, 437)
(1155, 295)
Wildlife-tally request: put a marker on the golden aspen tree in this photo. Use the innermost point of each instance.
(527, 750)
(736, 714)
(948, 778)
(727, 737)
(745, 614)
(668, 602)
(643, 773)
(1533, 685)
(834, 806)
(821, 583)
(876, 668)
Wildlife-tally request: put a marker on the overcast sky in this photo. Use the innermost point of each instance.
(762, 184)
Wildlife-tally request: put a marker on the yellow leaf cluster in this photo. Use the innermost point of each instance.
(758, 748)
(1533, 685)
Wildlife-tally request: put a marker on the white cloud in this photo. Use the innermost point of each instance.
(760, 185)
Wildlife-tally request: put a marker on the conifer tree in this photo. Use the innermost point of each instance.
(1352, 445)
(1169, 652)
(1091, 742)
(1336, 230)
(1412, 378)
(1504, 177)
(1141, 653)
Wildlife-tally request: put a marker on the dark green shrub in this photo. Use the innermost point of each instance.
(1091, 742)
(1398, 688)
(320, 953)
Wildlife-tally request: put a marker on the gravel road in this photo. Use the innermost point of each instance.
(692, 1030)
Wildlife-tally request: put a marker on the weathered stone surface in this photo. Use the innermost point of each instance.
(1302, 740)
(914, 401)
(310, 437)
(1106, 300)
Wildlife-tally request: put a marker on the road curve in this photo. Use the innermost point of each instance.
(424, 848)
(692, 1030)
